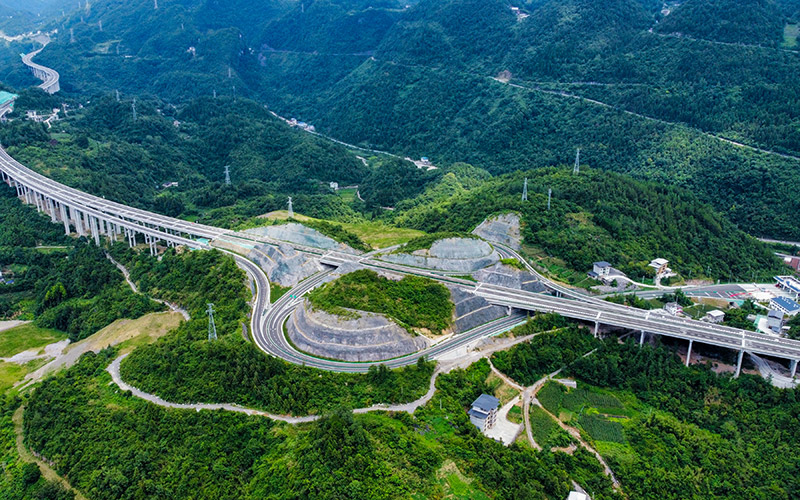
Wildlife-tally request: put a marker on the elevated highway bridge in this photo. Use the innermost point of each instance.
(48, 76)
(96, 217)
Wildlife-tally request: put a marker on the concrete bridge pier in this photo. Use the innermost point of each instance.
(93, 230)
(64, 217)
(689, 352)
(596, 328)
(151, 243)
(78, 220)
(131, 235)
(793, 367)
(52, 206)
(641, 338)
(739, 364)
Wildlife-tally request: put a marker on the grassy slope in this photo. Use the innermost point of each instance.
(375, 233)
(25, 337)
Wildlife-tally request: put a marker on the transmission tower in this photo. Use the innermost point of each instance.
(215, 93)
(155, 4)
(525, 190)
(212, 327)
(227, 175)
(577, 168)
(100, 25)
(549, 197)
(117, 92)
(291, 209)
(133, 107)
(72, 35)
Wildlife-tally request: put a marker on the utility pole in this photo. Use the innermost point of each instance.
(549, 197)
(227, 175)
(577, 168)
(212, 327)
(291, 209)
(525, 190)
(133, 106)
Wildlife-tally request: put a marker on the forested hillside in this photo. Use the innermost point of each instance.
(415, 78)
(602, 216)
(102, 150)
(735, 21)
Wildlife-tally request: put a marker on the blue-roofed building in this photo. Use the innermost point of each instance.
(785, 305)
(483, 413)
(7, 102)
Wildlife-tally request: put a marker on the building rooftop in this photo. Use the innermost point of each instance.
(477, 414)
(602, 263)
(486, 402)
(775, 314)
(787, 304)
(716, 313)
(659, 262)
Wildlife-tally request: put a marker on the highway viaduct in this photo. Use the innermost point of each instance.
(49, 76)
(98, 218)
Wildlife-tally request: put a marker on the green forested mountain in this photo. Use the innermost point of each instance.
(415, 78)
(105, 152)
(601, 216)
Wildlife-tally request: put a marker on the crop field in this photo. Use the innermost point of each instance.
(602, 429)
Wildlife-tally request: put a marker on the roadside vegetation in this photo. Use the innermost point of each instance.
(75, 289)
(434, 453)
(546, 352)
(733, 435)
(413, 302)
